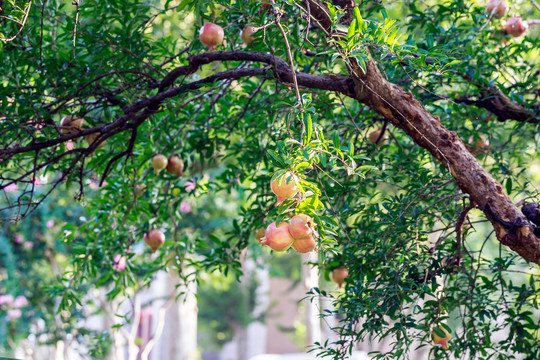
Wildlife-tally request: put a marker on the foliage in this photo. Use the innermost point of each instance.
(391, 214)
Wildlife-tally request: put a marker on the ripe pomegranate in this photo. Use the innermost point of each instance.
(277, 238)
(154, 239)
(211, 35)
(497, 7)
(480, 146)
(159, 162)
(304, 245)
(246, 34)
(90, 138)
(259, 234)
(285, 187)
(175, 166)
(443, 341)
(71, 124)
(375, 135)
(301, 226)
(516, 27)
(339, 275)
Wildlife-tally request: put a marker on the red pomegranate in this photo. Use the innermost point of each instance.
(497, 7)
(154, 239)
(339, 275)
(175, 166)
(304, 245)
(301, 226)
(211, 35)
(516, 27)
(278, 238)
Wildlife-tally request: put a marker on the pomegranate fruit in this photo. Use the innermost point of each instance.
(443, 341)
(480, 146)
(516, 27)
(211, 35)
(375, 135)
(285, 187)
(304, 245)
(71, 124)
(175, 166)
(259, 234)
(154, 239)
(338, 275)
(246, 34)
(159, 162)
(497, 7)
(277, 238)
(301, 226)
(90, 138)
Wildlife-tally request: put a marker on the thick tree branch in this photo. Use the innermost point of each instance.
(500, 105)
(408, 114)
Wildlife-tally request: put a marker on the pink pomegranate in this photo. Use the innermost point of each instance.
(278, 238)
(304, 245)
(154, 239)
(301, 226)
(211, 35)
(285, 187)
(339, 275)
(497, 7)
(516, 27)
(246, 34)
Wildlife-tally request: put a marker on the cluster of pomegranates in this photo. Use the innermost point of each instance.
(211, 35)
(298, 233)
(515, 26)
(174, 165)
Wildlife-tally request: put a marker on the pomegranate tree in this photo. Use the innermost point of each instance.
(277, 238)
(71, 124)
(497, 7)
(175, 166)
(438, 339)
(159, 162)
(304, 245)
(301, 226)
(516, 27)
(285, 187)
(338, 275)
(211, 35)
(154, 239)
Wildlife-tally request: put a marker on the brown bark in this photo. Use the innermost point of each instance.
(408, 114)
